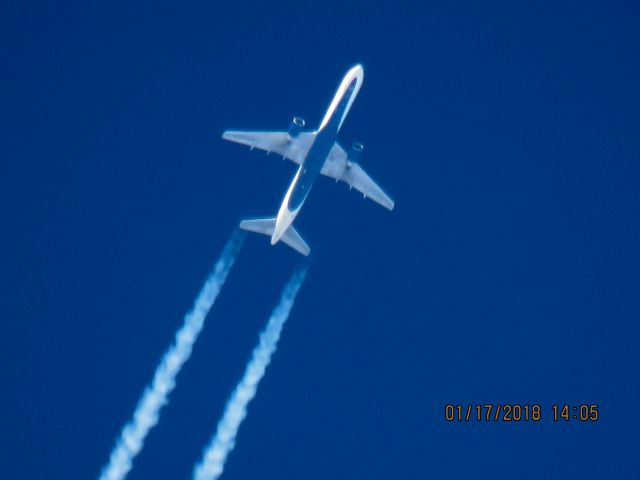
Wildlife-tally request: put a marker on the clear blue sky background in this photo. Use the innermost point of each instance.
(507, 133)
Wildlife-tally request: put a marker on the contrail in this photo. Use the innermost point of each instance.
(156, 395)
(212, 464)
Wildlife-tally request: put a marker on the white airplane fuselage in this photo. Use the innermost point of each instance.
(324, 139)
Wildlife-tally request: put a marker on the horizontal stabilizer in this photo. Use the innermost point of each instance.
(266, 226)
(292, 238)
(259, 225)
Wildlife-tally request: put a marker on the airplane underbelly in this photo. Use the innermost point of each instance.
(310, 171)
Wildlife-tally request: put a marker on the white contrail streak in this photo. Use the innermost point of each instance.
(156, 395)
(212, 464)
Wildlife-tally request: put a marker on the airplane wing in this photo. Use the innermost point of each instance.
(339, 167)
(295, 149)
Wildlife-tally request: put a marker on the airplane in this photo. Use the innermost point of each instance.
(316, 152)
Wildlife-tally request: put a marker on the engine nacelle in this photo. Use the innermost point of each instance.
(355, 152)
(297, 124)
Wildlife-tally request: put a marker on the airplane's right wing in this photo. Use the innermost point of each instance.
(295, 149)
(339, 167)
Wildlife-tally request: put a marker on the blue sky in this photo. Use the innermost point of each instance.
(506, 132)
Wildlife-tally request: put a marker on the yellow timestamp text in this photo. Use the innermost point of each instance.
(516, 412)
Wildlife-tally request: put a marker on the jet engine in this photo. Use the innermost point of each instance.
(355, 152)
(297, 124)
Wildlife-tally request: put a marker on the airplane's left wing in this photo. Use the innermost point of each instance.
(293, 148)
(339, 167)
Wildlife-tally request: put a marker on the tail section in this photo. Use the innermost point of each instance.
(292, 238)
(266, 226)
(259, 225)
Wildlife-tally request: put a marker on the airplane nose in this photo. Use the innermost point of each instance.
(357, 70)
